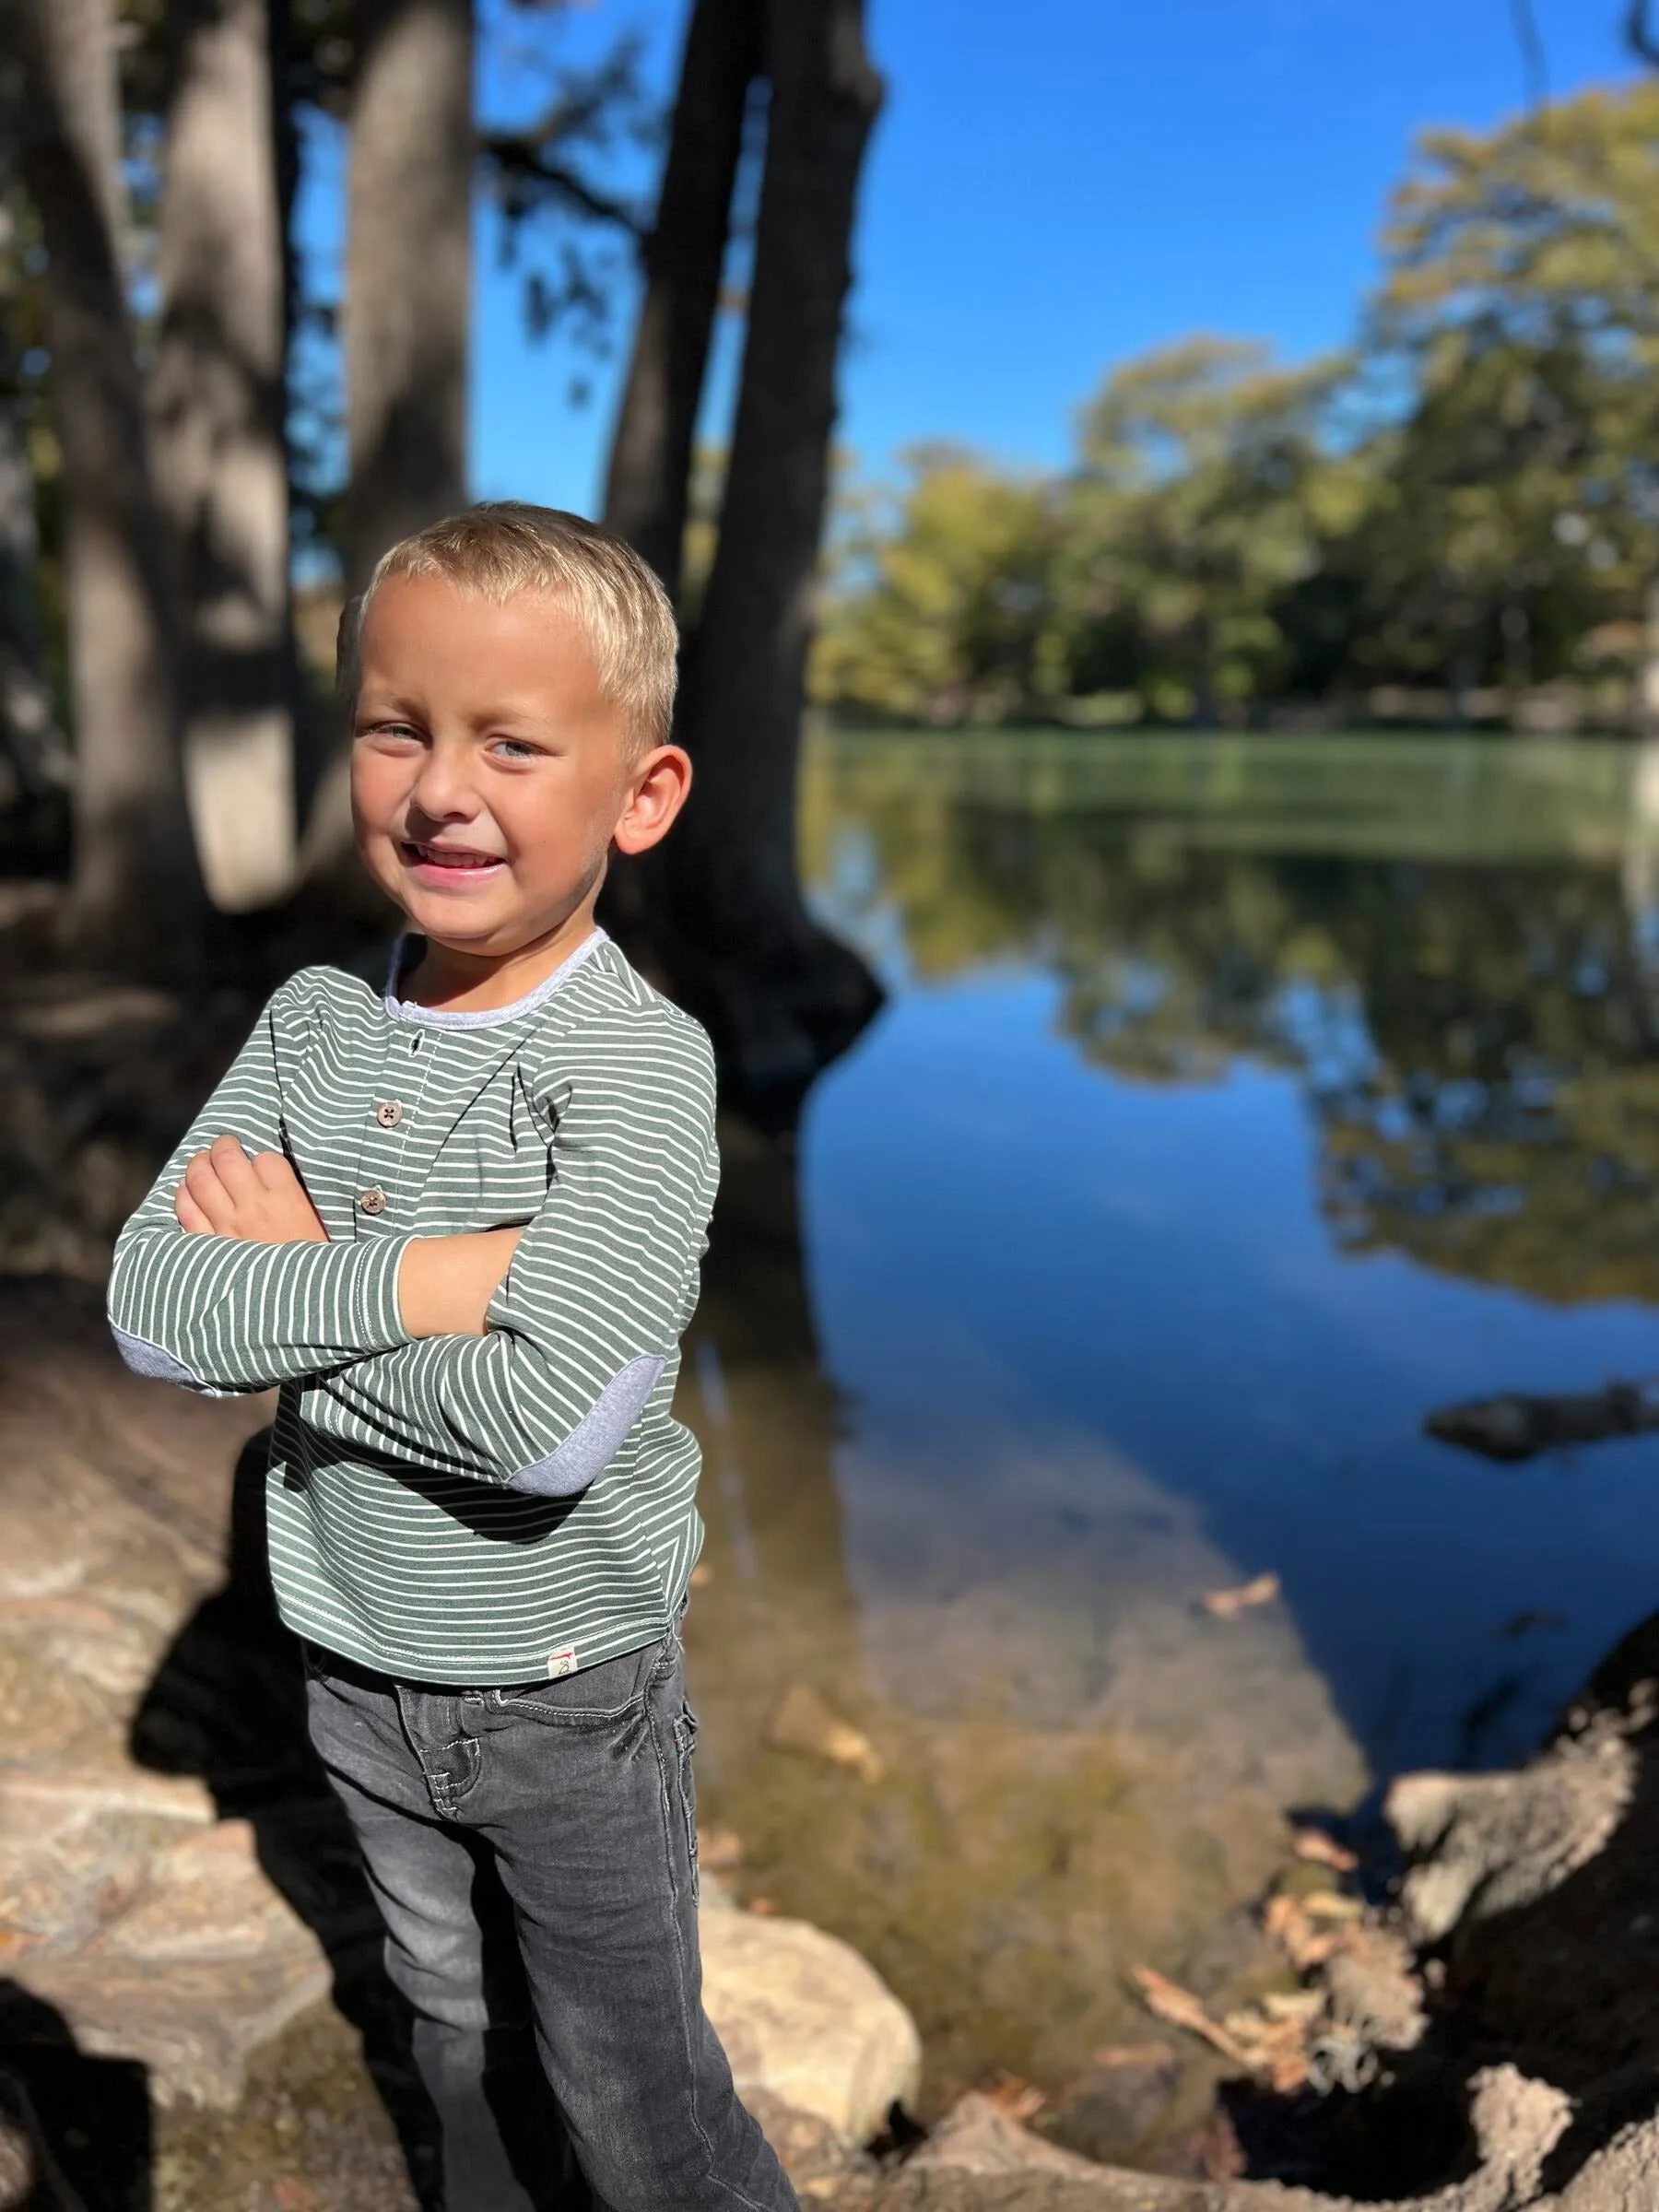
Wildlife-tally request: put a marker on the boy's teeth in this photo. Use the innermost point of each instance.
(446, 856)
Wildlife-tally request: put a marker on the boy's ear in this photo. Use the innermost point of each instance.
(657, 790)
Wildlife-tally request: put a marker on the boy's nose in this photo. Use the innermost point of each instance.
(442, 791)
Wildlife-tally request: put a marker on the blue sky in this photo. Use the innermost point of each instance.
(1052, 187)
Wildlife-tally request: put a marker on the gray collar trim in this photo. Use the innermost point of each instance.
(485, 1017)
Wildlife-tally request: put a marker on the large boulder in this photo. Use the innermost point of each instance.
(804, 2019)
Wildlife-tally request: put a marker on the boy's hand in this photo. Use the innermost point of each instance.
(445, 1284)
(260, 1201)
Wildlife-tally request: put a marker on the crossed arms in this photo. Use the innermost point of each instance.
(445, 1284)
(520, 1357)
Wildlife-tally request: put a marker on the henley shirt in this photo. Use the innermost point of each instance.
(480, 1509)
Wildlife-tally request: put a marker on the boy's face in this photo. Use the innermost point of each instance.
(489, 774)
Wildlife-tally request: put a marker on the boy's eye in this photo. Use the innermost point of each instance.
(387, 729)
(515, 748)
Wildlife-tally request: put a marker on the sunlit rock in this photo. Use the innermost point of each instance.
(805, 2019)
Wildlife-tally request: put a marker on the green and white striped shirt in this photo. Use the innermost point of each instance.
(458, 1509)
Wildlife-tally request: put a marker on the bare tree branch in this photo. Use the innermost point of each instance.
(527, 174)
(1639, 35)
(1533, 63)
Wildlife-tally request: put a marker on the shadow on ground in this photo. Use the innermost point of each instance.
(76, 2132)
(228, 1705)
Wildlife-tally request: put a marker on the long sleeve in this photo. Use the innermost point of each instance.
(218, 1315)
(601, 1287)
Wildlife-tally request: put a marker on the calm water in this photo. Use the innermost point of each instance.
(1237, 1103)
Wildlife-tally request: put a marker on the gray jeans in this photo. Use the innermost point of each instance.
(533, 1854)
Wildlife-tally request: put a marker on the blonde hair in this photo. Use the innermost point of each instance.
(502, 548)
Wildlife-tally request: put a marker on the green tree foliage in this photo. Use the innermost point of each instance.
(1466, 500)
(1206, 491)
(953, 616)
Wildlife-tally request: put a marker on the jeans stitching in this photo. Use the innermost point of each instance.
(682, 1986)
(684, 1743)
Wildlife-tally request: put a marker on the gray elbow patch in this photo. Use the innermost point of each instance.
(160, 1365)
(597, 1436)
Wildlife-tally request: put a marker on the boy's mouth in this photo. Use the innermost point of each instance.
(452, 860)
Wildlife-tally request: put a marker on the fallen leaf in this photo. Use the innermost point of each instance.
(1016, 2100)
(1181, 2008)
(1223, 1603)
(1293, 1931)
(1313, 1844)
(719, 1849)
(1296, 2005)
(1133, 2055)
(762, 1908)
(1330, 1904)
(805, 1723)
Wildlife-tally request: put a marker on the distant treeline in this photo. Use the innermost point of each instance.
(1457, 520)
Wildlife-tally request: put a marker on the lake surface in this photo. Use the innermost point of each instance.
(1237, 1103)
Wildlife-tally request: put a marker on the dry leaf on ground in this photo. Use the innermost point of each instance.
(1016, 2100)
(1223, 1603)
(719, 1849)
(1291, 1927)
(1111, 2055)
(1319, 1850)
(804, 1722)
(1170, 2002)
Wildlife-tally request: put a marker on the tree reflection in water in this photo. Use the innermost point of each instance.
(1476, 1039)
(1078, 1774)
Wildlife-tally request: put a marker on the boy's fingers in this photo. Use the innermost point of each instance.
(274, 1172)
(202, 1181)
(232, 1164)
(189, 1215)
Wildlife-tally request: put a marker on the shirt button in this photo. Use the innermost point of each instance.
(373, 1201)
(388, 1113)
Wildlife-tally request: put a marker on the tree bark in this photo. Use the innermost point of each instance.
(1644, 701)
(408, 310)
(135, 893)
(408, 272)
(649, 479)
(34, 756)
(217, 401)
(781, 997)
(34, 760)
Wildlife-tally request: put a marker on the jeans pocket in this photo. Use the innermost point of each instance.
(598, 1697)
(685, 1743)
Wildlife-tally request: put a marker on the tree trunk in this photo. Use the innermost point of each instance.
(135, 895)
(34, 760)
(34, 756)
(781, 997)
(647, 487)
(1645, 701)
(408, 272)
(408, 310)
(218, 399)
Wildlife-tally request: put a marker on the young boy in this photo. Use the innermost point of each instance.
(459, 1225)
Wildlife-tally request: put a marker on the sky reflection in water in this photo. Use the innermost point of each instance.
(1236, 1104)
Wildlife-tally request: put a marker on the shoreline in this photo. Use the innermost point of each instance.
(186, 1940)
